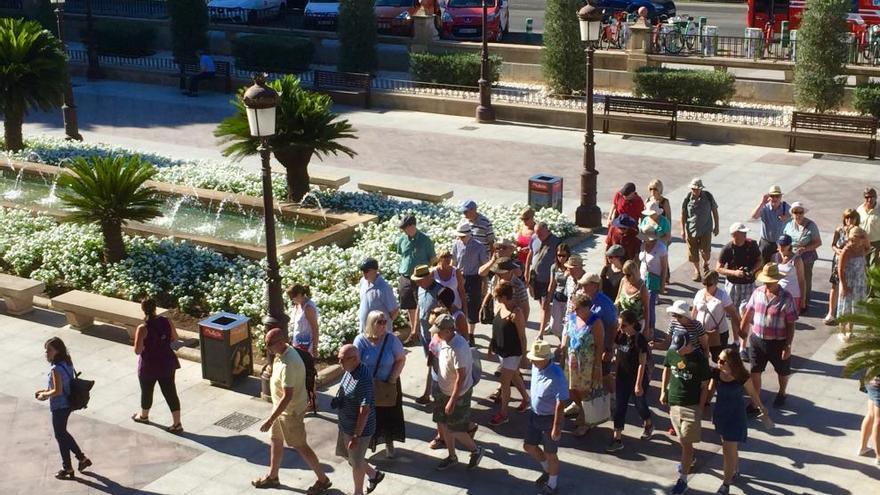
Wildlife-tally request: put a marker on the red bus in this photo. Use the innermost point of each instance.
(761, 12)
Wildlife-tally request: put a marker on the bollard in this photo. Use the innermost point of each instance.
(784, 34)
(529, 23)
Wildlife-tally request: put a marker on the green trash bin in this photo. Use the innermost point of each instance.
(226, 350)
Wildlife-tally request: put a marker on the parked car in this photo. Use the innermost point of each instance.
(658, 10)
(463, 19)
(321, 14)
(395, 16)
(245, 11)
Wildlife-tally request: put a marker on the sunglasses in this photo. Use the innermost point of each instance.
(562, 255)
(797, 212)
(652, 188)
(722, 361)
(382, 321)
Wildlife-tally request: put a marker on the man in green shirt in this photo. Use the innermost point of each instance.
(415, 248)
(685, 388)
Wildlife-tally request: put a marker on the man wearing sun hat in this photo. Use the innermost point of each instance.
(429, 292)
(770, 315)
(699, 222)
(774, 214)
(549, 393)
(469, 256)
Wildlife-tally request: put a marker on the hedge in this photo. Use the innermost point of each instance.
(124, 39)
(282, 54)
(692, 87)
(459, 69)
(866, 99)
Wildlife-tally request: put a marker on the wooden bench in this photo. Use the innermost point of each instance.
(429, 195)
(222, 74)
(328, 180)
(354, 83)
(82, 308)
(833, 127)
(18, 293)
(655, 111)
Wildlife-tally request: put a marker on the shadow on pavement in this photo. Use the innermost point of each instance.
(102, 484)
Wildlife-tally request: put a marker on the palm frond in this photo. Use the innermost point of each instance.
(33, 67)
(862, 351)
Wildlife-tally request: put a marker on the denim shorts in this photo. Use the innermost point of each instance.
(538, 432)
(873, 393)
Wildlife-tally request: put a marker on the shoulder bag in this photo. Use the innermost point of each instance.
(80, 390)
(384, 392)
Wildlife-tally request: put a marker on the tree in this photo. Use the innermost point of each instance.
(189, 27)
(821, 55)
(33, 72)
(109, 191)
(357, 36)
(305, 126)
(564, 59)
(862, 351)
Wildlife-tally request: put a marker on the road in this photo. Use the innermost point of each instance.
(730, 18)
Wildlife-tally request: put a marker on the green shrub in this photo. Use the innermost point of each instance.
(357, 36)
(563, 59)
(124, 39)
(282, 54)
(821, 56)
(866, 99)
(692, 87)
(459, 69)
(189, 27)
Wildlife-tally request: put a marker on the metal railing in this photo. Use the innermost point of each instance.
(10, 4)
(141, 9)
(241, 15)
(740, 47)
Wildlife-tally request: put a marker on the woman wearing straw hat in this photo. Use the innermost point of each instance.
(805, 241)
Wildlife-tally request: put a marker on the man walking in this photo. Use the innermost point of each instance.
(774, 214)
(626, 202)
(452, 407)
(429, 292)
(699, 222)
(415, 248)
(540, 263)
(549, 392)
(739, 261)
(375, 295)
(469, 256)
(289, 403)
(870, 221)
(357, 419)
(481, 227)
(770, 315)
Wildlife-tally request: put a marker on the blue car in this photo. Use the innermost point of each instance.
(658, 10)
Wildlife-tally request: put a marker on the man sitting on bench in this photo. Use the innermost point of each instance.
(206, 71)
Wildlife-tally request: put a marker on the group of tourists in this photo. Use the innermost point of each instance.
(594, 352)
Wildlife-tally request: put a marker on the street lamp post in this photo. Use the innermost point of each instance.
(94, 70)
(588, 213)
(260, 102)
(485, 112)
(68, 107)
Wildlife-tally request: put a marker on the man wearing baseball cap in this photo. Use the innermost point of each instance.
(739, 261)
(626, 201)
(415, 248)
(375, 294)
(774, 213)
(549, 393)
(481, 227)
(469, 256)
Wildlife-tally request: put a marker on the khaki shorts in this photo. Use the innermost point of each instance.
(698, 245)
(291, 428)
(356, 457)
(687, 422)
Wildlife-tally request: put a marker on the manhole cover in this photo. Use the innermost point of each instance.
(468, 128)
(237, 422)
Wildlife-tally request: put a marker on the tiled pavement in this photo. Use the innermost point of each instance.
(810, 451)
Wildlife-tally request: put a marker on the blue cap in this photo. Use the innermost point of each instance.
(784, 240)
(625, 221)
(368, 264)
(467, 205)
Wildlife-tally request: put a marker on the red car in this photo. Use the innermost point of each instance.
(395, 16)
(463, 19)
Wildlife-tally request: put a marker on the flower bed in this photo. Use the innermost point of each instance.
(199, 280)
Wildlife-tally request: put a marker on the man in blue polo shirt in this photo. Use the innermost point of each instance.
(549, 393)
(603, 307)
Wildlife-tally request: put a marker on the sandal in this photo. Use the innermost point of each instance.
(424, 400)
(319, 487)
(137, 418)
(266, 482)
(438, 443)
(496, 397)
(65, 474)
(175, 428)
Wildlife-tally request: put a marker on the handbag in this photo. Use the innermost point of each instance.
(597, 407)
(384, 393)
(487, 311)
(477, 367)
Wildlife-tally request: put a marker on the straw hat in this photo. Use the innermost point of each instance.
(696, 183)
(680, 308)
(541, 351)
(421, 272)
(574, 261)
(769, 274)
(775, 190)
(589, 278)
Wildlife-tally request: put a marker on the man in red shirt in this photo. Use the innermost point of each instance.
(624, 230)
(626, 201)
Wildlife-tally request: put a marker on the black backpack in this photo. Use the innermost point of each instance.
(79, 394)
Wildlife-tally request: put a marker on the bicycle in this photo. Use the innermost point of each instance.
(678, 34)
(871, 45)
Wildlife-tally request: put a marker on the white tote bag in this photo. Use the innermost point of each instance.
(597, 407)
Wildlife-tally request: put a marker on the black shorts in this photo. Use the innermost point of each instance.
(539, 287)
(473, 295)
(408, 293)
(761, 351)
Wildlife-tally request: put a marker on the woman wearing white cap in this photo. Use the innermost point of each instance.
(805, 239)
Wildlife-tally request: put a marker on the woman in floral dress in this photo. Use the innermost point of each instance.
(850, 219)
(852, 272)
(582, 347)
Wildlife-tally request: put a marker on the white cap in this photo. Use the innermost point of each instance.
(679, 307)
(738, 227)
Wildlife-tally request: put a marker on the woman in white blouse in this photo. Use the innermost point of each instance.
(712, 307)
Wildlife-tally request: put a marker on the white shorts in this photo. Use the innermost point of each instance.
(557, 318)
(510, 362)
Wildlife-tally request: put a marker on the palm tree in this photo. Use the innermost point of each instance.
(863, 350)
(109, 191)
(305, 126)
(33, 74)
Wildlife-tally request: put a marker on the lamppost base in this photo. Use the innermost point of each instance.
(588, 216)
(485, 114)
(276, 322)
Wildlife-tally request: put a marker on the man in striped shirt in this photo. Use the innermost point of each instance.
(481, 227)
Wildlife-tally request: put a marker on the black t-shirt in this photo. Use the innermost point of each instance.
(628, 351)
(611, 282)
(743, 257)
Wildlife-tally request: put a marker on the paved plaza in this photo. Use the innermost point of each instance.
(811, 450)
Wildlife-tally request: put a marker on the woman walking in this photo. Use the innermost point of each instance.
(447, 305)
(655, 196)
(852, 271)
(612, 272)
(805, 240)
(632, 379)
(448, 275)
(305, 335)
(508, 343)
(61, 374)
(732, 382)
(582, 347)
(712, 307)
(525, 235)
(156, 363)
(791, 266)
(383, 355)
(871, 423)
(634, 296)
(553, 315)
(850, 219)
(653, 264)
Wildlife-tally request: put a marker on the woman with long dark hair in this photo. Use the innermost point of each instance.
(61, 374)
(156, 364)
(304, 335)
(633, 377)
